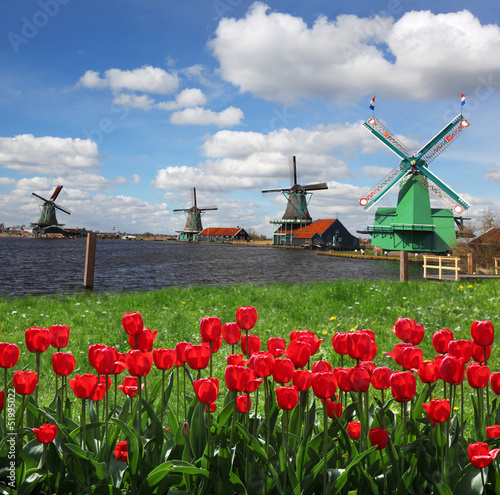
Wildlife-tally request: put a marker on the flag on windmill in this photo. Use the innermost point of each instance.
(372, 103)
(463, 100)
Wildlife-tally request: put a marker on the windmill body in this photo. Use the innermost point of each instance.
(296, 213)
(413, 225)
(193, 220)
(48, 212)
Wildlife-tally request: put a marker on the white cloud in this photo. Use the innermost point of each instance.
(493, 173)
(48, 155)
(422, 56)
(134, 101)
(200, 116)
(189, 97)
(146, 79)
(374, 171)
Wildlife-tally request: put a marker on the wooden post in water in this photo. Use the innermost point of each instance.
(471, 263)
(403, 266)
(88, 278)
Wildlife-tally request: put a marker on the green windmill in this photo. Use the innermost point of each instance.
(413, 225)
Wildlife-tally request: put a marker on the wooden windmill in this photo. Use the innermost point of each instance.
(48, 211)
(193, 219)
(413, 225)
(296, 214)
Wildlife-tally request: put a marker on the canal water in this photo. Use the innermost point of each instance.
(49, 266)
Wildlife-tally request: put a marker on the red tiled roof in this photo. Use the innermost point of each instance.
(220, 231)
(317, 227)
(490, 237)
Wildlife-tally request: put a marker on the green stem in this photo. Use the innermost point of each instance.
(139, 409)
(114, 400)
(383, 471)
(5, 408)
(178, 390)
(162, 395)
(325, 443)
(185, 405)
(233, 419)
(84, 429)
(106, 406)
(268, 419)
(462, 403)
(404, 436)
(362, 438)
(38, 376)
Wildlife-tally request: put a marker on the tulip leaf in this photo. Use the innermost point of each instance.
(470, 482)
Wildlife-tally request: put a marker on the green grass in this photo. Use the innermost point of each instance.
(324, 307)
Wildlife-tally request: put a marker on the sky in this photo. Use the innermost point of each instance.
(130, 104)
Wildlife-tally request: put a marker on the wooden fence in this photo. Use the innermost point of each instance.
(443, 265)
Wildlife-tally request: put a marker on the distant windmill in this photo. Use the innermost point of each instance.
(296, 214)
(48, 210)
(193, 219)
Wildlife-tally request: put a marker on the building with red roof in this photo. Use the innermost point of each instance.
(223, 234)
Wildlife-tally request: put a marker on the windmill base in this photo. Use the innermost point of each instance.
(438, 236)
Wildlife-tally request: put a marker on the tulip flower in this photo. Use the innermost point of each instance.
(206, 389)
(307, 336)
(253, 344)
(428, 372)
(236, 360)
(138, 363)
(324, 384)
(495, 382)
(461, 348)
(283, 370)
(480, 354)
(354, 430)
(411, 357)
(343, 382)
(104, 359)
(63, 363)
(129, 386)
(302, 379)
(246, 317)
(231, 333)
(180, 349)
(361, 345)
(25, 382)
(418, 334)
(478, 375)
(275, 345)
(437, 410)
(480, 454)
(233, 376)
(45, 433)
(121, 452)
(319, 366)
(452, 370)
(334, 409)
(210, 328)
(339, 343)
(247, 381)
(287, 397)
(9, 355)
(93, 348)
(59, 336)
(262, 363)
(84, 385)
(37, 339)
(397, 352)
(380, 378)
(404, 328)
(299, 352)
(243, 403)
(379, 437)
(143, 340)
(198, 356)
(482, 333)
(403, 385)
(132, 323)
(164, 359)
(493, 431)
(441, 339)
(359, 379)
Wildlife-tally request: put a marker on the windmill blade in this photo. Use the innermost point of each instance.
(441, 189)
(62, 209)
(194, 196)
(383, 134)
(275, 190)
(383, 187)
(39, 197)
(293, 170)
(207, 208)
(181, 209)
(56, 193)
(449, 134)
(315, 187)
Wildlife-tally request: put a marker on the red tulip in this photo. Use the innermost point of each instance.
(104, 359)
(411, 357)
(91, 353)
(243, 403)
(482, 333)
(397, 352)
(287, 397)
(164, 359)
(246, 317)
(339, 342)
(180, 349)
(214, 346)
(262, 363)
(359, 379)
(120, 364)
(342, 376)
(299, 352)
(478, 375)
(418, 334)
(381, 378)
(139, 363)
(45, 433)
(379, 437)
(334, 409)
(253, 344)
(480, 454)
(437, 410)
(452, 370)
(63, 363)
(493, 431)
(283, 370)
(324, 384)
(212, 407)
(441, 339)
(302, 379)
(478, 353)
(210, 328)
(360, 345)
(319, 366)
(132, 323)
(307, 336)
(100, 390)
(231, 333)
(37, 339)
(275, 345)
(495, 382)
(428, 372)
(249, 382)
(84, 385)
(59, 335)
(403, 385)
(25, 382)
(233, 376)
(9, 355)
(461, 348)
(143, 340)
(236, 360)
(404, 328)
(206, 389)
(354, 430)
(121, 452)
(129, 386)
(198, 356)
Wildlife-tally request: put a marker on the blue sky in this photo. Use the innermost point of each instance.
(129, 104)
